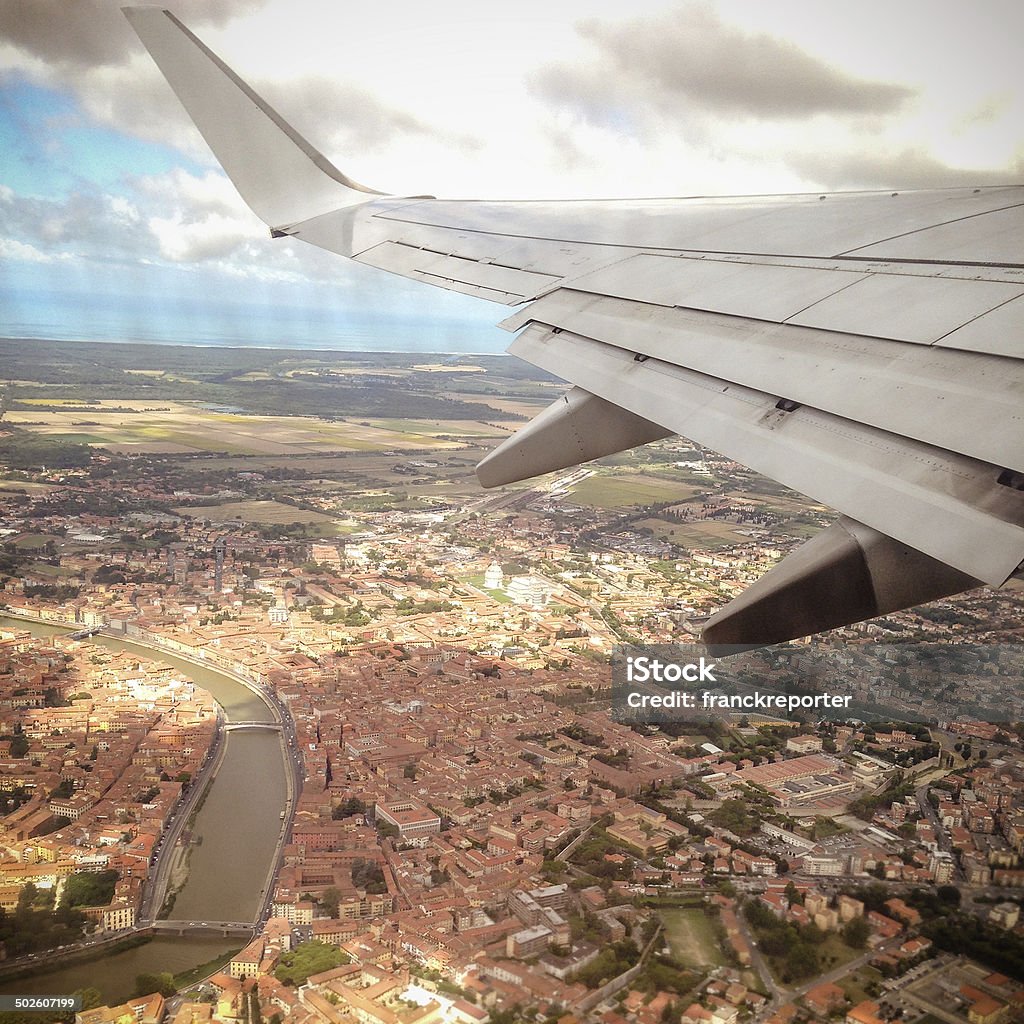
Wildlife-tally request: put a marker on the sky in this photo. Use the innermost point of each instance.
(117, 224)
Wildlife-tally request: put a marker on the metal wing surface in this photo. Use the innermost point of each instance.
(865, 349)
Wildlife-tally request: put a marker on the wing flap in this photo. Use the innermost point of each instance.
(358, 232)
(999, 332)
(946, 505)
(806, 226)
(760, 291)
(907, 308)
(897, 306)
(991, 237)
(964, 402)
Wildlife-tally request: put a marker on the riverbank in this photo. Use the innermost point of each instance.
(132, 636)
(222, 884)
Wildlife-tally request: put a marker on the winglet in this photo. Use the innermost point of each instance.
(282, 178)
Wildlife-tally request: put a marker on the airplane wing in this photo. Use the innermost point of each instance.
(865, 349)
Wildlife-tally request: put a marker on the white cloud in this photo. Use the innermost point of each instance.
(443, 98)
(12, 249)
(211, 238)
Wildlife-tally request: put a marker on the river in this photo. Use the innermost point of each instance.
(239, 824)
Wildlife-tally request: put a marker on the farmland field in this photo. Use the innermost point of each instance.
(178, 428)
(705, 533)
(270, 512)
(623, 491)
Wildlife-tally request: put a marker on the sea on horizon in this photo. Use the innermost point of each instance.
(145, 319)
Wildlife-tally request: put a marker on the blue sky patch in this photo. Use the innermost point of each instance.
(53, 148)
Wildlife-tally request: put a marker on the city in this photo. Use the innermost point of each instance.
(292, 693)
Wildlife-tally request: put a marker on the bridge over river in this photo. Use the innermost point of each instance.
(238, 726)
(225, 928)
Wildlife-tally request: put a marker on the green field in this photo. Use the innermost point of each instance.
(498, 595)
(421, 429)
(691, 937)
(707, 533)
(54, 572)
(270, 512)
(624, 491)
(78, 438)
(184, 428)
(856, 985)
(31, 541)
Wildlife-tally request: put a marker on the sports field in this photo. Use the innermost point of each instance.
(691, 937)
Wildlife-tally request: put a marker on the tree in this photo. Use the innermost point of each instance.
(856, 932)
(329, 900)
(368, 875)
(90, 889)
(801, 961)
(353, 805)
(27, 896)
(306, 959)
(146, 984)
(91, 997)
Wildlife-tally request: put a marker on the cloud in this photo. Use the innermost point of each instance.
(115, 82)
(213, 237)
(343, 118)
(189, 220)
(81, 222)
(176, 217)
(990, 109)
(135, 99)
(89, 33)
(12, 249)
(689, 62)
(892, 168)
(194, 218)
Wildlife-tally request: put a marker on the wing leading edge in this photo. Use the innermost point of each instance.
(866, 349)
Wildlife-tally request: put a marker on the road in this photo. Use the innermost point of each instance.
(780, 995)
(294, 776)
(760, 964)
(155, 888)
